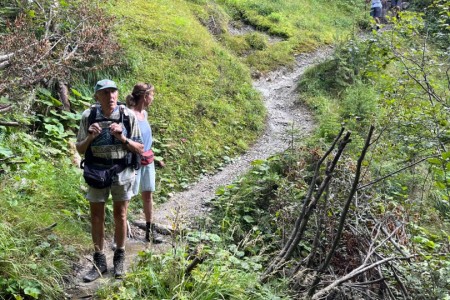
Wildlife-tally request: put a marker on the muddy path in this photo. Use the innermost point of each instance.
(285, 113)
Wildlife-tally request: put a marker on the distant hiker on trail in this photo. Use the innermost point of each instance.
(396, 4)
(108, 137)
(139, 100)
(396, 7)
(376, 9)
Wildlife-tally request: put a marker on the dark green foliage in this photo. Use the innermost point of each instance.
(438, 26)
(260, 205)
(348, 65)
(420, 5)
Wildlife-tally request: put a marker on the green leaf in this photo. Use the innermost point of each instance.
(446, 155)
(434, 161)
(31, 13)
(76, 93)
(5, 152)
(257, 162)
(33, 292)
(248, 219)
(214, 238)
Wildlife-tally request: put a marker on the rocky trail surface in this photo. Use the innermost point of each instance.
(285, 113)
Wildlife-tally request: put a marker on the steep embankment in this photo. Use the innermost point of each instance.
(279, 90)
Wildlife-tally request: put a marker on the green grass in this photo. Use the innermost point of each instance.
(40, 234)
(304, 25)
(205, 107)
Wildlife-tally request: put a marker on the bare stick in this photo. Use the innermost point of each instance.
(395, 172)
(9, 123)
(345, 210)
(6, 108)
(361, 269)
(308, 207)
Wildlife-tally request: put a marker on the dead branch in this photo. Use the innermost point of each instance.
(4, 64)
(361, 269)
(63, 92)
(309, 259)
(395, 172)
(6, 56)
(308, 206)
(368, 282)
(9, 124)
(345, 210)
(396, 245)
(400, 283)
(6, 108)
(192, 265)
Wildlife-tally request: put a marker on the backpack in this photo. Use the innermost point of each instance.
(131, 159)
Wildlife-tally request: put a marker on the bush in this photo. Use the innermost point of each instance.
(360, 102)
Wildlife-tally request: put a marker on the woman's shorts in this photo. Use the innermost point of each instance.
(122, 192)
(145, 179)
(375, 12)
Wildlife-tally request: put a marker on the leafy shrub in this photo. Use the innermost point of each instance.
(359, 102)
(256, 41)
(345, 68)
(222, 273)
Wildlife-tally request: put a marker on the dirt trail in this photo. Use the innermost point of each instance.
(284, 111)
(279, 90)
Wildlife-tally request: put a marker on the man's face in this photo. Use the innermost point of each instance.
(107, 97)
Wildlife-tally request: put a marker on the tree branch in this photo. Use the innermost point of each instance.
(6, 56)
(11, 124)
(395, 172)
(345, 210)
(356, 272)
(6, 108)
(308, 207)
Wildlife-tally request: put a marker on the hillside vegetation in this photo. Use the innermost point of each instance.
(200, 56)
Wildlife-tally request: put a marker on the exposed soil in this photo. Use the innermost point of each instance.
(239, 28)
(285, 112)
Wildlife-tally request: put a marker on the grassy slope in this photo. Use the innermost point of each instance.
(205, 107)
(303, 25)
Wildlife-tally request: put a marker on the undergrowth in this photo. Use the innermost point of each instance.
(222, 273)
(42, 229)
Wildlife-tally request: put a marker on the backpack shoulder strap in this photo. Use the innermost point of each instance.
(88, 156)
(92, 115)
(125, 118)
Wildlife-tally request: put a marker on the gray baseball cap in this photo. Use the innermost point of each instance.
(105, 84)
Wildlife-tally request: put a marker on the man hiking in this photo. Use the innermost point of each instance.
(107, 137)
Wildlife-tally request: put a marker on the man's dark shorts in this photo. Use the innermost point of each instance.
(375, 12)
(396, 3)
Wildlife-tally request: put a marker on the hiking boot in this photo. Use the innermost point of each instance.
(150, 234)
(98, 268)
(118, 260)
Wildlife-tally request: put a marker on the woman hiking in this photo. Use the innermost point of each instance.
(138, 101)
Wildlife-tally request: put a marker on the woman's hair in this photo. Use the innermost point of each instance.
(139, 91)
